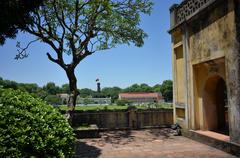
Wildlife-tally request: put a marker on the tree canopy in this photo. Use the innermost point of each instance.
(51, 88)
(80, 28)
(47, 91)
(12, 15)
(139, 88)
(167, 90)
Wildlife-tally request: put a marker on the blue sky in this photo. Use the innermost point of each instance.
(121, 66)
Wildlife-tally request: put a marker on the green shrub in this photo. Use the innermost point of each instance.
(105, 108)
(131, 107)
(123, 102)
(31, 128)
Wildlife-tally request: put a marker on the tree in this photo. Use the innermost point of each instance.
(12, 13)
(80, 28)
(167, 90)
(85, 92)
(9, 84)
(51, 88)
(146, 88)
(28, 87)
(1, 82)
(157, 88)
(139, 88)
(65, 88)
(111, 92)
(133, 88)
(41, 94)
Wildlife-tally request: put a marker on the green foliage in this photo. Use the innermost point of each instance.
(51, 88)
(132, 107)
(9, 84)
(53, 100)
(80, 28)
(94, 107)
(106, 23)
(86, 101)
(41, 94)
(159, 106)
(105, 108)
(14, 15)
(139, 88)
(167, 90)
(65, 89)
(111, 92)
(157, 88)
(27, 87)
(115, 107)
(30, 88)
(123, 102)
(31, 128)
(84, 93)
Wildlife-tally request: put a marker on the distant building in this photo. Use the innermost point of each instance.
(141, 98)
(64, 97)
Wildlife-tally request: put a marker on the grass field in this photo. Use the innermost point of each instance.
(116, 107)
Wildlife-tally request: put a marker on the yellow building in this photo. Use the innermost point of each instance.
(206, 66)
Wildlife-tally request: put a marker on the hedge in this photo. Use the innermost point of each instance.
(31, 128)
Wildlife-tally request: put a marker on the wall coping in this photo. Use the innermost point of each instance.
(187, 10)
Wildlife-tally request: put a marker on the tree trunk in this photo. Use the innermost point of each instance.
(73, 93)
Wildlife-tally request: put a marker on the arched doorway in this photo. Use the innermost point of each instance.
(215, 109)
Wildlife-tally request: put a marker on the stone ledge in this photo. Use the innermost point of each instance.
(225, 146)
(87, 132)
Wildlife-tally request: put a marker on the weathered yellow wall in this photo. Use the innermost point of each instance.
(202, 73)
(211, 42)
(179, 79)
(179, 75)
(180, 113)
(212, 37)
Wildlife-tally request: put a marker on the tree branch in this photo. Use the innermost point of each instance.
(22, 52)
(51, 58)
(57, 61)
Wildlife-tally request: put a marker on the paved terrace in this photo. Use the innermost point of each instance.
(154, 143)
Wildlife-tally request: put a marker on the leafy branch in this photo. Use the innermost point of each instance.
(22, 51)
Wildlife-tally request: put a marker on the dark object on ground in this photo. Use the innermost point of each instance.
(177, 128)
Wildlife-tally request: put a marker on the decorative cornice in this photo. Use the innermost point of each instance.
(187, 9)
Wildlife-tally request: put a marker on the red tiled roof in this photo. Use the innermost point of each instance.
(145, 95)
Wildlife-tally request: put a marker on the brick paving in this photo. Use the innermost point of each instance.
(153, 143)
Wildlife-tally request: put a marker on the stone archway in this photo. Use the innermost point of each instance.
(215, 110)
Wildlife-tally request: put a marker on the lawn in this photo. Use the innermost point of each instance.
(117, 107)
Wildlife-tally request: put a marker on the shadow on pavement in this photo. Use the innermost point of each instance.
(118, 137)
(84, 150)
(164, 133)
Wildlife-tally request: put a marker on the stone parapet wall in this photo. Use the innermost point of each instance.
(133, 119)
